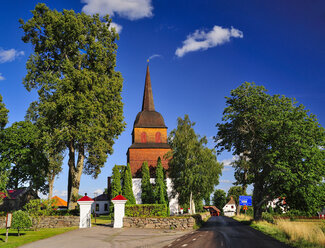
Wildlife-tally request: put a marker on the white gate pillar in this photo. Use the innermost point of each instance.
(119, 210)
(85, 211)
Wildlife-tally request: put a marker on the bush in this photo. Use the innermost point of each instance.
(146, 210)
(20, 220)
(268, 217)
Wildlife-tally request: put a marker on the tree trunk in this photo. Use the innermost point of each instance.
(258, 201)
(51, 183)
(75, 172)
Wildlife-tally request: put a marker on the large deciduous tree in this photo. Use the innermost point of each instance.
(73, 69)
(193, 168)
(22, 150)
(281, 146)
(219, 199)
(4, 167)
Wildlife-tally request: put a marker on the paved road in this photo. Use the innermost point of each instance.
(224, 232)
(108, 237)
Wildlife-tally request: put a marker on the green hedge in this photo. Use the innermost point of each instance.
(146, 210)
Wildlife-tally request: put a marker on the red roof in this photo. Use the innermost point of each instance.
(12, 193)
(85, 198)
(58, 202)
(119, 197)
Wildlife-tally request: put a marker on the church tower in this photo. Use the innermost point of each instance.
(149, 136)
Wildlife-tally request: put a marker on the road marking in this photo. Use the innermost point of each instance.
(193, 239)
(184, 245)
(170, 245)
(177, 239)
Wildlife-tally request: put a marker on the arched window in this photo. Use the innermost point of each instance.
(143, 137)
(158, 137)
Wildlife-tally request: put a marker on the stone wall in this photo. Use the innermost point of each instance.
(177, 223)
(51, 221)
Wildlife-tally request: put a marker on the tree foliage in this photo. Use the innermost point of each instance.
(235, 192)
(193, 167)
(127, 190)
(4, 167)
(116, 182)
(22, 150)
(73, 69)
(20, 220)
(281, 145)
(219, 199)
(147, 195)
(160, 186)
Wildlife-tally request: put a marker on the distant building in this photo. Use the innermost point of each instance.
(214, 211)
(59, 203)
(321, 214)
(17, 198)
(101, 204)
(230, 208)
(278, 203)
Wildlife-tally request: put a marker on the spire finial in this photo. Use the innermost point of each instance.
(147, 103)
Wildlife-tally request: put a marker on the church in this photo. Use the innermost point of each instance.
(149, 141)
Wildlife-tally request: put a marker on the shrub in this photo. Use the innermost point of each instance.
(20, 220)
(268, 217)
(146, 210)
(37, 208)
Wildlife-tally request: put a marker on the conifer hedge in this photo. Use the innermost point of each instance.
(146, 210)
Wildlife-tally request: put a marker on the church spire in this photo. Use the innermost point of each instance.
(147, 103)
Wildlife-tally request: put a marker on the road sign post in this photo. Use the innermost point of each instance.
(8, 224)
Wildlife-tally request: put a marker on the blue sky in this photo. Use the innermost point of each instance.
(204, 49)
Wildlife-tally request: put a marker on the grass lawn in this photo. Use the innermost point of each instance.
(302, 234)
(101, 220)
(27, 236)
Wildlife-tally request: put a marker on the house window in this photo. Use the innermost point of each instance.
(143, 137)
(97, 207)
(106, 207)
(158, 137)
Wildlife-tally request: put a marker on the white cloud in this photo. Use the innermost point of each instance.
(61, 193)
(98, 192)
(130, 9)
(118, 27)
(9, 55)
(228, 162)
(226, 169)
(226, 181)
(1, 77)
(200, 40)
(154, 56)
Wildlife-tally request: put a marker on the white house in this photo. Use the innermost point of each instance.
(101, 204)
(230, 208)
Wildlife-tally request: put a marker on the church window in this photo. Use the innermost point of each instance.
(143, 137)
(158, 137)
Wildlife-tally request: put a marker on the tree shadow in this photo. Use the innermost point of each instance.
(9, 235)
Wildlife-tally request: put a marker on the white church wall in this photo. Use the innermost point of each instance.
(173, 202)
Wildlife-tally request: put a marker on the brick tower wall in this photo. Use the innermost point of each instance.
(136, 157)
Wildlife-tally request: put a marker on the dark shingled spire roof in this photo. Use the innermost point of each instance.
(148, 117)
(147, 103)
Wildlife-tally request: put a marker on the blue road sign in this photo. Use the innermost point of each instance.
(245, 200)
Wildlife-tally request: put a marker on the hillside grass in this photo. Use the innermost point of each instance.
(302, 234)
(28, 236)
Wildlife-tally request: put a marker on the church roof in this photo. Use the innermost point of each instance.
(148, 117)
